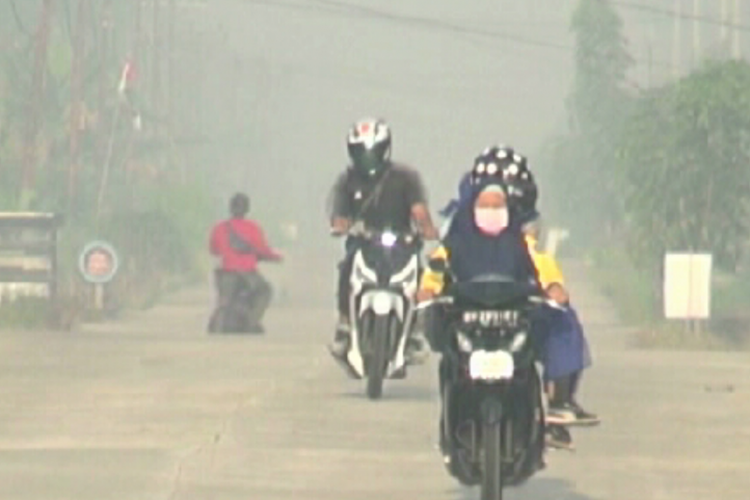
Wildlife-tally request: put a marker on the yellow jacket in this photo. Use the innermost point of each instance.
(433, 280)
(546, 266)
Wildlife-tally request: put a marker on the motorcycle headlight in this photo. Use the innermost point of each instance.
(518, 342)
(388, 239)
(464, 344)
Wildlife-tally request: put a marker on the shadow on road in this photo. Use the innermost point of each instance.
(393, 393)
(535, 489)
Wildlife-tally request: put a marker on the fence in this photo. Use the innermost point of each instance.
(28, 255)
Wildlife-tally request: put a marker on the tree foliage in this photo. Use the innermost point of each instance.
(685, 157)
(668, 168)
(583, 162)
(153, 212)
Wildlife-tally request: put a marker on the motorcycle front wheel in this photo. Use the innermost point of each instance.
(492, 466)
(379, 340)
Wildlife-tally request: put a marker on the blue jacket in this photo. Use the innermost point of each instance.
(564, 347)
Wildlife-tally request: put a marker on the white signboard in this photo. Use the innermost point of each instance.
(687, 286)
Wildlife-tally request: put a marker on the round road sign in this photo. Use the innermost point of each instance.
(98, 262)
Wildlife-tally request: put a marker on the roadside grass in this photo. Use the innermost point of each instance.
(636, 296)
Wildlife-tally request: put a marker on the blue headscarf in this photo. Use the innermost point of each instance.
(464, 191)
(473, 253)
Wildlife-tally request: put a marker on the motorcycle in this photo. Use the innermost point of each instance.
(493, 414)
(384, 279)
(230, 315)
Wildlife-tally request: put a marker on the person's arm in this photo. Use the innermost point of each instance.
(526, 269)
(257, 239)
(420, 212)
(433, 277)
(554, 271)
(341, 211)
(213, 244)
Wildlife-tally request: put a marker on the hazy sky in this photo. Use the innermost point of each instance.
(311, 67)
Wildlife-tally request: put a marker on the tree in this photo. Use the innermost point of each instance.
(597, 104)
(685, 154)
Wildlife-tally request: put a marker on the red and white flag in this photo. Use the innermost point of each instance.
(127, 77)
(125, 89)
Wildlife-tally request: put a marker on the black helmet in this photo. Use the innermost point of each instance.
(491, 164)
(239, 205)
(369, 145)
(512, 170)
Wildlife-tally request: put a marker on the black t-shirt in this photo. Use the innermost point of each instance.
(381, 203)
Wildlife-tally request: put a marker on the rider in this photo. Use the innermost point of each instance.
(381, 194)
(566, 356)
(241, 244)
(484, 238)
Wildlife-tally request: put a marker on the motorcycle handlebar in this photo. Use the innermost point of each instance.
(448, 300)
(359, 231)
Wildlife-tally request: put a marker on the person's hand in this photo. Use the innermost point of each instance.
(424, 295)
(339, 225)
(430, 233)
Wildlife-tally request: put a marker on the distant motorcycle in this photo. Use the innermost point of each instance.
(493, 418)
(230, 315)
(384, 279)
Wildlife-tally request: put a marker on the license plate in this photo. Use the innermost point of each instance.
(491, 365)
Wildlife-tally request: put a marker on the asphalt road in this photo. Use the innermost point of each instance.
(151, 408)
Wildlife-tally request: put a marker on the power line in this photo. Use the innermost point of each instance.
(679, 15)
(338, 7)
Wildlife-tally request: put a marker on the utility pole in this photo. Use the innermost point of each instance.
(696, 33)
(156, 61)
(650, 54)
(677, 40)
(736, 47)
(76, 99)
(35, 102)
(103, 42)
(724, 31)
(171, 13)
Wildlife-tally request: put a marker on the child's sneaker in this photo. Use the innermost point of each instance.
(558, 437)
(563, 414)
(584, 418)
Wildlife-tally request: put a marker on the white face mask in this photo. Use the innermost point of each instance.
(491, 221)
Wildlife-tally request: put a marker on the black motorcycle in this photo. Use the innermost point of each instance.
(230, 315)
(493, 418)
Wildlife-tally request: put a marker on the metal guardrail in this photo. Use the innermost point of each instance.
(28, 254)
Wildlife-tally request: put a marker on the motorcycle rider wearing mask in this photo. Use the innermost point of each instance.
(240, 244)
(380, 194)
(484, 238)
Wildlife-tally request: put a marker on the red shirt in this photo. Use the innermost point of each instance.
(251, 233)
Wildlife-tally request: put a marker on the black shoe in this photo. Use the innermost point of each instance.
(561, 414)
(340, 344)
(559, 437)
(417, 349)
(584, 418)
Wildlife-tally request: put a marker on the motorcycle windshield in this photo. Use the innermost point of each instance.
(490, 291)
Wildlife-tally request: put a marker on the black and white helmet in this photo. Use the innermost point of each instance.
(369, 145)
(510, 168)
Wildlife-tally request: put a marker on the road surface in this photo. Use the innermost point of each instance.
(151, 408)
